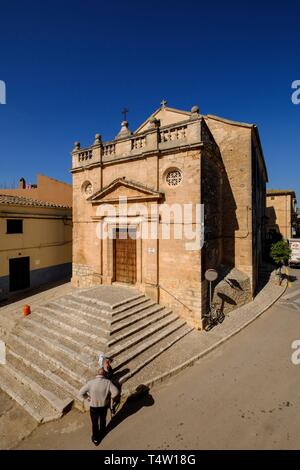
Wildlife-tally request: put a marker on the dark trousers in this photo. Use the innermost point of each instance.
(98, 418)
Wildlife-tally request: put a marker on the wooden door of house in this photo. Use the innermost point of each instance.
(125, 256)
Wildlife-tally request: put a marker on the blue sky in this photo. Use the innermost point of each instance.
(71, 66)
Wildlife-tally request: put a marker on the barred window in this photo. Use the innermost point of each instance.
(174, 177)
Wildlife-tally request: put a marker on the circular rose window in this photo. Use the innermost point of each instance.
(174, 177)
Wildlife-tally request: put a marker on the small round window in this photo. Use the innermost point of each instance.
(87, 188)
(174, 177)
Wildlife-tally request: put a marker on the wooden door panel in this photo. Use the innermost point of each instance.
(125, 258)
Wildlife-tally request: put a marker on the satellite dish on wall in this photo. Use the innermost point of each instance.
(211, 275)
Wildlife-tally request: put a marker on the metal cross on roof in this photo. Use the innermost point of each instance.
(163, 103)
(124, 112)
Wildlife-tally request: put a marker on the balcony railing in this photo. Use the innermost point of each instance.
(148, 141)
(138, 143)
(109, 149)
(173, 133)
(85, 155)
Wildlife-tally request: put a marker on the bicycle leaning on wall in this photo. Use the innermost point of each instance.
(213, 317)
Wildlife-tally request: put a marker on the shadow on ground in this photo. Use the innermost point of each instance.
(134, 403)
(29, 292)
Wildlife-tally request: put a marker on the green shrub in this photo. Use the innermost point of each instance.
(280, 253)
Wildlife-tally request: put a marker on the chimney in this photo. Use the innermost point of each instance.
(22, 183)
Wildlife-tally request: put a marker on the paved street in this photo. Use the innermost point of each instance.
(246, 394)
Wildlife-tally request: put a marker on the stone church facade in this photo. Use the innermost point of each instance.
(197, 181)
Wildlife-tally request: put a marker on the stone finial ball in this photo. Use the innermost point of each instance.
(195, 109)
(77, 144)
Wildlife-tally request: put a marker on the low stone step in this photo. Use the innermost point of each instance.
(87, 333)
(43, 365)
(145, 358)
(129, 305)
(126, 314)
(127, 302)
(37, 406)
(141, 347)
(40, 329)
(98, 301)
(62, 361)
(150, 317)
(89, 311)
(50, 381)
(74, 321)
(58, 346)
(102, 321)
(38, 384)
(127, 344)
(85, 305)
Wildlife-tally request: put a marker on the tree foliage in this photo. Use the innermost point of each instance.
(280, 252)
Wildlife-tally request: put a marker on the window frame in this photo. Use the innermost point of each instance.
(14, 231)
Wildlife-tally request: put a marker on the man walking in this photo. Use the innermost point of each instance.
(99, 392)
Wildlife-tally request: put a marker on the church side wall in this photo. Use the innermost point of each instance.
(235, 143)
(212, 200)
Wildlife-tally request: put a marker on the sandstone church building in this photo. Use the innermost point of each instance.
(175, 159)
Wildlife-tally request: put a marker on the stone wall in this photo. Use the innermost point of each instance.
(279, 213)
(84, 275)
(232, 291)
(235, 146)
(244, 186)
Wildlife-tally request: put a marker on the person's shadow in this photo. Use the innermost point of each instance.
(133, 404)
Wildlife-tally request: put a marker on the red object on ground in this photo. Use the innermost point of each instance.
(26, 310)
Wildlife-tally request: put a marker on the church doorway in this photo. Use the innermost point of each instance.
(125, 255)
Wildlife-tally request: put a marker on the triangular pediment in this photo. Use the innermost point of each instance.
(167, 116)
(123, 188)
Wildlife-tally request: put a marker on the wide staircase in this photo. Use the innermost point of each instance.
(54, 350)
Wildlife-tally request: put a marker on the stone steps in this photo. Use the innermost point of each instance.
(71, 320)
(82, 339)
(124, 315)
(127, 342)
(36, 405)
(140, 330)
(133, 352)
(148, 355)
(102, 319)
(38, 383)
(70, 342)
(91, 313)
(94, 309)
(43, 365)
(121, 312)
(97, 300)
(71, 367)
(57, 347)
(87, 335)
(53, 351)
(135, 323)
